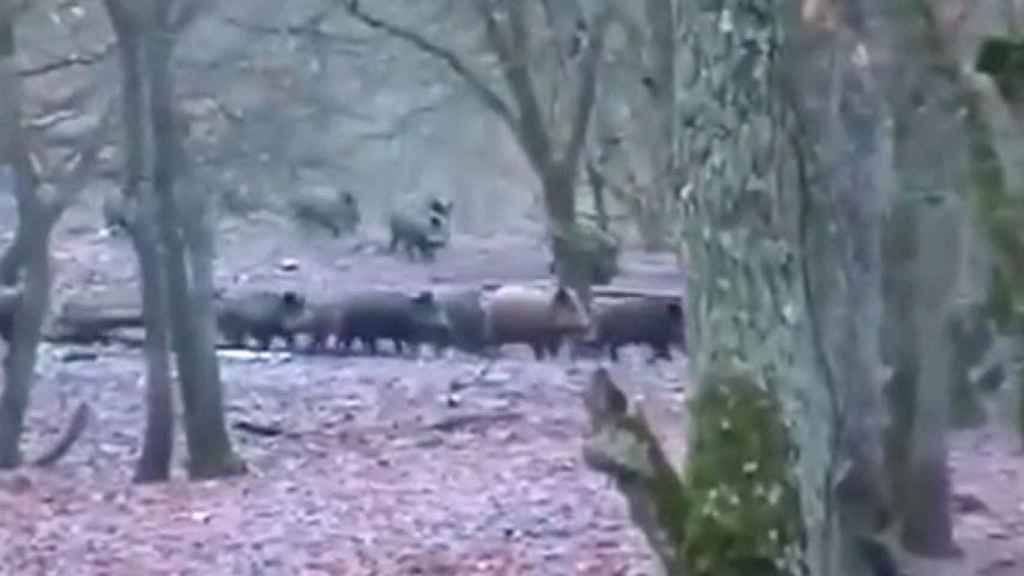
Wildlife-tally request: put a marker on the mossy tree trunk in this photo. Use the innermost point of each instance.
(785, 258)
(748, 308)
(999, 209)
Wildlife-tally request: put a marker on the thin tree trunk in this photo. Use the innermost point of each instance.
(158, 441)
(158, 444)
(210, 451)
(560, 200)
(928, 527)
(33, 229)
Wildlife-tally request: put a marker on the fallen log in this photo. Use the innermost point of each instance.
(84, 323)
(609, 292)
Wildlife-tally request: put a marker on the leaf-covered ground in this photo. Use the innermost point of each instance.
(385, 465)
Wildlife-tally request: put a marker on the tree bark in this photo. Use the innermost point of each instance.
(158, 440)
(749, 302)
(210, 450)
(33, 235)
(928, 525)
(848, 272)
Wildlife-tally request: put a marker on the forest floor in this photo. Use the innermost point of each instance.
(386, 465)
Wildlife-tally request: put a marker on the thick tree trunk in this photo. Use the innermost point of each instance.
(210, 451)
(748, 294)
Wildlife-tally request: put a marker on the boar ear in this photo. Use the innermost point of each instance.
(291, 298)
(563, 295)
(674, 309)
(424, 297)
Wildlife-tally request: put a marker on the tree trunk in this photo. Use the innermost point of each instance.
(210, 451)
(560, 201)
(928, 526)
(899, 336)
(847, 273)
(661, 22)
(19, 364)
(597, 184)
(154, 463)
(12, 260)
(749, 298)
(33, 235)
(200, 246)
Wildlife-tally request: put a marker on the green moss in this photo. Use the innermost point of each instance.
(744, 512)
(1000, 212)
(594, 250)
(1003, 59)
(1000, 55)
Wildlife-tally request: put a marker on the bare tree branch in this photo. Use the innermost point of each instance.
(409, 117)
(69, 184)
(70, 61)
(487, 95)
(308, 29)
(186, 13)
(530, 129)
(588, 87)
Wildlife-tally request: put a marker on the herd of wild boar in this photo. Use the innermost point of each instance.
(468, 319)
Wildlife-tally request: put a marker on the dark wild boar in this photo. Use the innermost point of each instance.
(261, 315)
(319, 321)
(425, 234)
(441, 207)
(465, 311)
(336, 211)
(657, 322)
(391, 315)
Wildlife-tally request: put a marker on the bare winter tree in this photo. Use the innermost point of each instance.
(790, 155)
(176, 259)
(317, 119)
(528, 91)
(632, 151)
(924, 265)
(27, 260)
